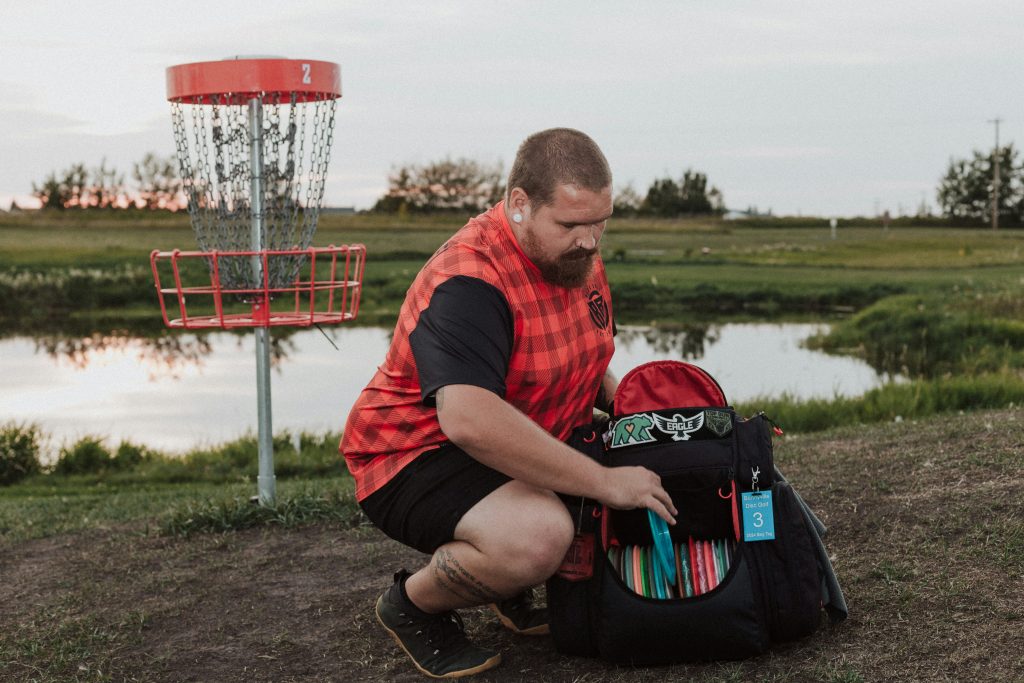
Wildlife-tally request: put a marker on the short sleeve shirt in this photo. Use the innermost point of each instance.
(481, 313)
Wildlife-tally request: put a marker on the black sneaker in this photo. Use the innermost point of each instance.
(520, 616)
(436, 643)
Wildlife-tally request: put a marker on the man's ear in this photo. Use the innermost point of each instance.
(518, 200)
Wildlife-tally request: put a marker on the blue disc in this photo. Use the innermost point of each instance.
(662, 545)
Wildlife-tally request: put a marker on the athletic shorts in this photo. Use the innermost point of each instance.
(422, 504)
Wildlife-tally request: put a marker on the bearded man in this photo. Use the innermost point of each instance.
(457, 444)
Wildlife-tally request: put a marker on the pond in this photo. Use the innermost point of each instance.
(179, 390)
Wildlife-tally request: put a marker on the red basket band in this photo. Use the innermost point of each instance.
(198, 82)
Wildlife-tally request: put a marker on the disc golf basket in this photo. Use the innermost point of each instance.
(253, 138)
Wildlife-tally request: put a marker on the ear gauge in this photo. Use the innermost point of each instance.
(517, 217)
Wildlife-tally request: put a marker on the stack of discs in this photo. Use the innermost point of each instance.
(700, 565)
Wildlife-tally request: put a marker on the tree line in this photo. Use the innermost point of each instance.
(965, 193)
(156, 186)
(464, 185)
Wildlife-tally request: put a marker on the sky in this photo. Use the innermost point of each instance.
(804, 108)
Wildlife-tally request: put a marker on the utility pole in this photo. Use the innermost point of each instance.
(995, 179)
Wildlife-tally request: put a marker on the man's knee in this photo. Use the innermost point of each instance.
(527, 528)
(542, 538)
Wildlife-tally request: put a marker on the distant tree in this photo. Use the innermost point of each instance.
(663, 199)
(627, 201)
(667, 198)
(157, 182)
(51, 192)
(446, 185)
(107, 190)
(65, 189)
(716, 200)
(965, 192)
(693, 191)
(76, 179)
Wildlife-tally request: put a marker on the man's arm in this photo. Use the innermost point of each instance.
(503, 438)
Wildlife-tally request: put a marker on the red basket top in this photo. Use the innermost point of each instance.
(246, 78)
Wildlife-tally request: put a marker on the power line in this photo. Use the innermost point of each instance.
(995, 178)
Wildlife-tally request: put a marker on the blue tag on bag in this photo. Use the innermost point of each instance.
(758, 516)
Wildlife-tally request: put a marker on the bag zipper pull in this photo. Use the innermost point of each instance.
(776, 429)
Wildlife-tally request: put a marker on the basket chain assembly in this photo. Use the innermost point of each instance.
(214, 149)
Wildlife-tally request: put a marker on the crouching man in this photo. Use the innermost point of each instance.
(456, 445)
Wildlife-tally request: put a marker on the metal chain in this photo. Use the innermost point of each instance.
(216, 176)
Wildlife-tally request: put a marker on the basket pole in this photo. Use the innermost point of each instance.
(266, 480)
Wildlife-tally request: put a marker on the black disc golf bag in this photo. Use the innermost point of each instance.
(737, 588)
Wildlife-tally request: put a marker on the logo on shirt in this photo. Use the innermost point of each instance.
(598, 309)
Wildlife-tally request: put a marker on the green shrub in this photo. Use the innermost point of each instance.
(19, 452)
(130, 455)
(88, 455)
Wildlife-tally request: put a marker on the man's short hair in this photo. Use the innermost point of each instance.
(558, 156)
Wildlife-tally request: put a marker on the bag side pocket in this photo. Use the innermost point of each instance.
(785, 571)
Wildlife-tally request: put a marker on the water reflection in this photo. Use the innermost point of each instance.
(686, 342)
(177, 390)
(164, 355)
(161, 355)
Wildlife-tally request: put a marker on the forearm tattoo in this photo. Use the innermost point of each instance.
(454, 578)
(439, 398)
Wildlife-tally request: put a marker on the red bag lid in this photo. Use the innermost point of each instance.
(664, 384)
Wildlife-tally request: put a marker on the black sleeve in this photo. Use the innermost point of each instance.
(463, 337)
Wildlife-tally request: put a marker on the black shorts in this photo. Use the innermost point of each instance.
(424, 502)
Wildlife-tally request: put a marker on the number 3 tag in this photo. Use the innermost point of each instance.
(758, 516)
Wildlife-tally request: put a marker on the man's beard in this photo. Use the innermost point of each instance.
(569, 270)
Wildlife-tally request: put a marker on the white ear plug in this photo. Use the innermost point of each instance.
(517, 217)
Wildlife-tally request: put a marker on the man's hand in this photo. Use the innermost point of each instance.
(503, 438)
(637, 487)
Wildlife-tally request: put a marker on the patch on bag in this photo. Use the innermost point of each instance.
(578, 564)
(635, 429)
(718, 421)
(679, 427)
(667, 426)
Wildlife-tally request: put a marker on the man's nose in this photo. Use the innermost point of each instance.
(589, 239)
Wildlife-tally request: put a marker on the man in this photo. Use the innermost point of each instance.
(456, 445)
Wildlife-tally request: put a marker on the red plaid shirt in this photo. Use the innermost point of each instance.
(562, 344)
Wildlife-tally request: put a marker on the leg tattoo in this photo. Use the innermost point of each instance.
(454, 578)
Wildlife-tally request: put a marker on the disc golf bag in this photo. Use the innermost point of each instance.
(750, 569)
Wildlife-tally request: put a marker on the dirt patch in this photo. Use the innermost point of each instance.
(925, 528)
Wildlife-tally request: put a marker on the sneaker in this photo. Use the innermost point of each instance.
(520, 616)
(436, 643)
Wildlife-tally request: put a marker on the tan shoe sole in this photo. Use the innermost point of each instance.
(542, 630)
(489, 664)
